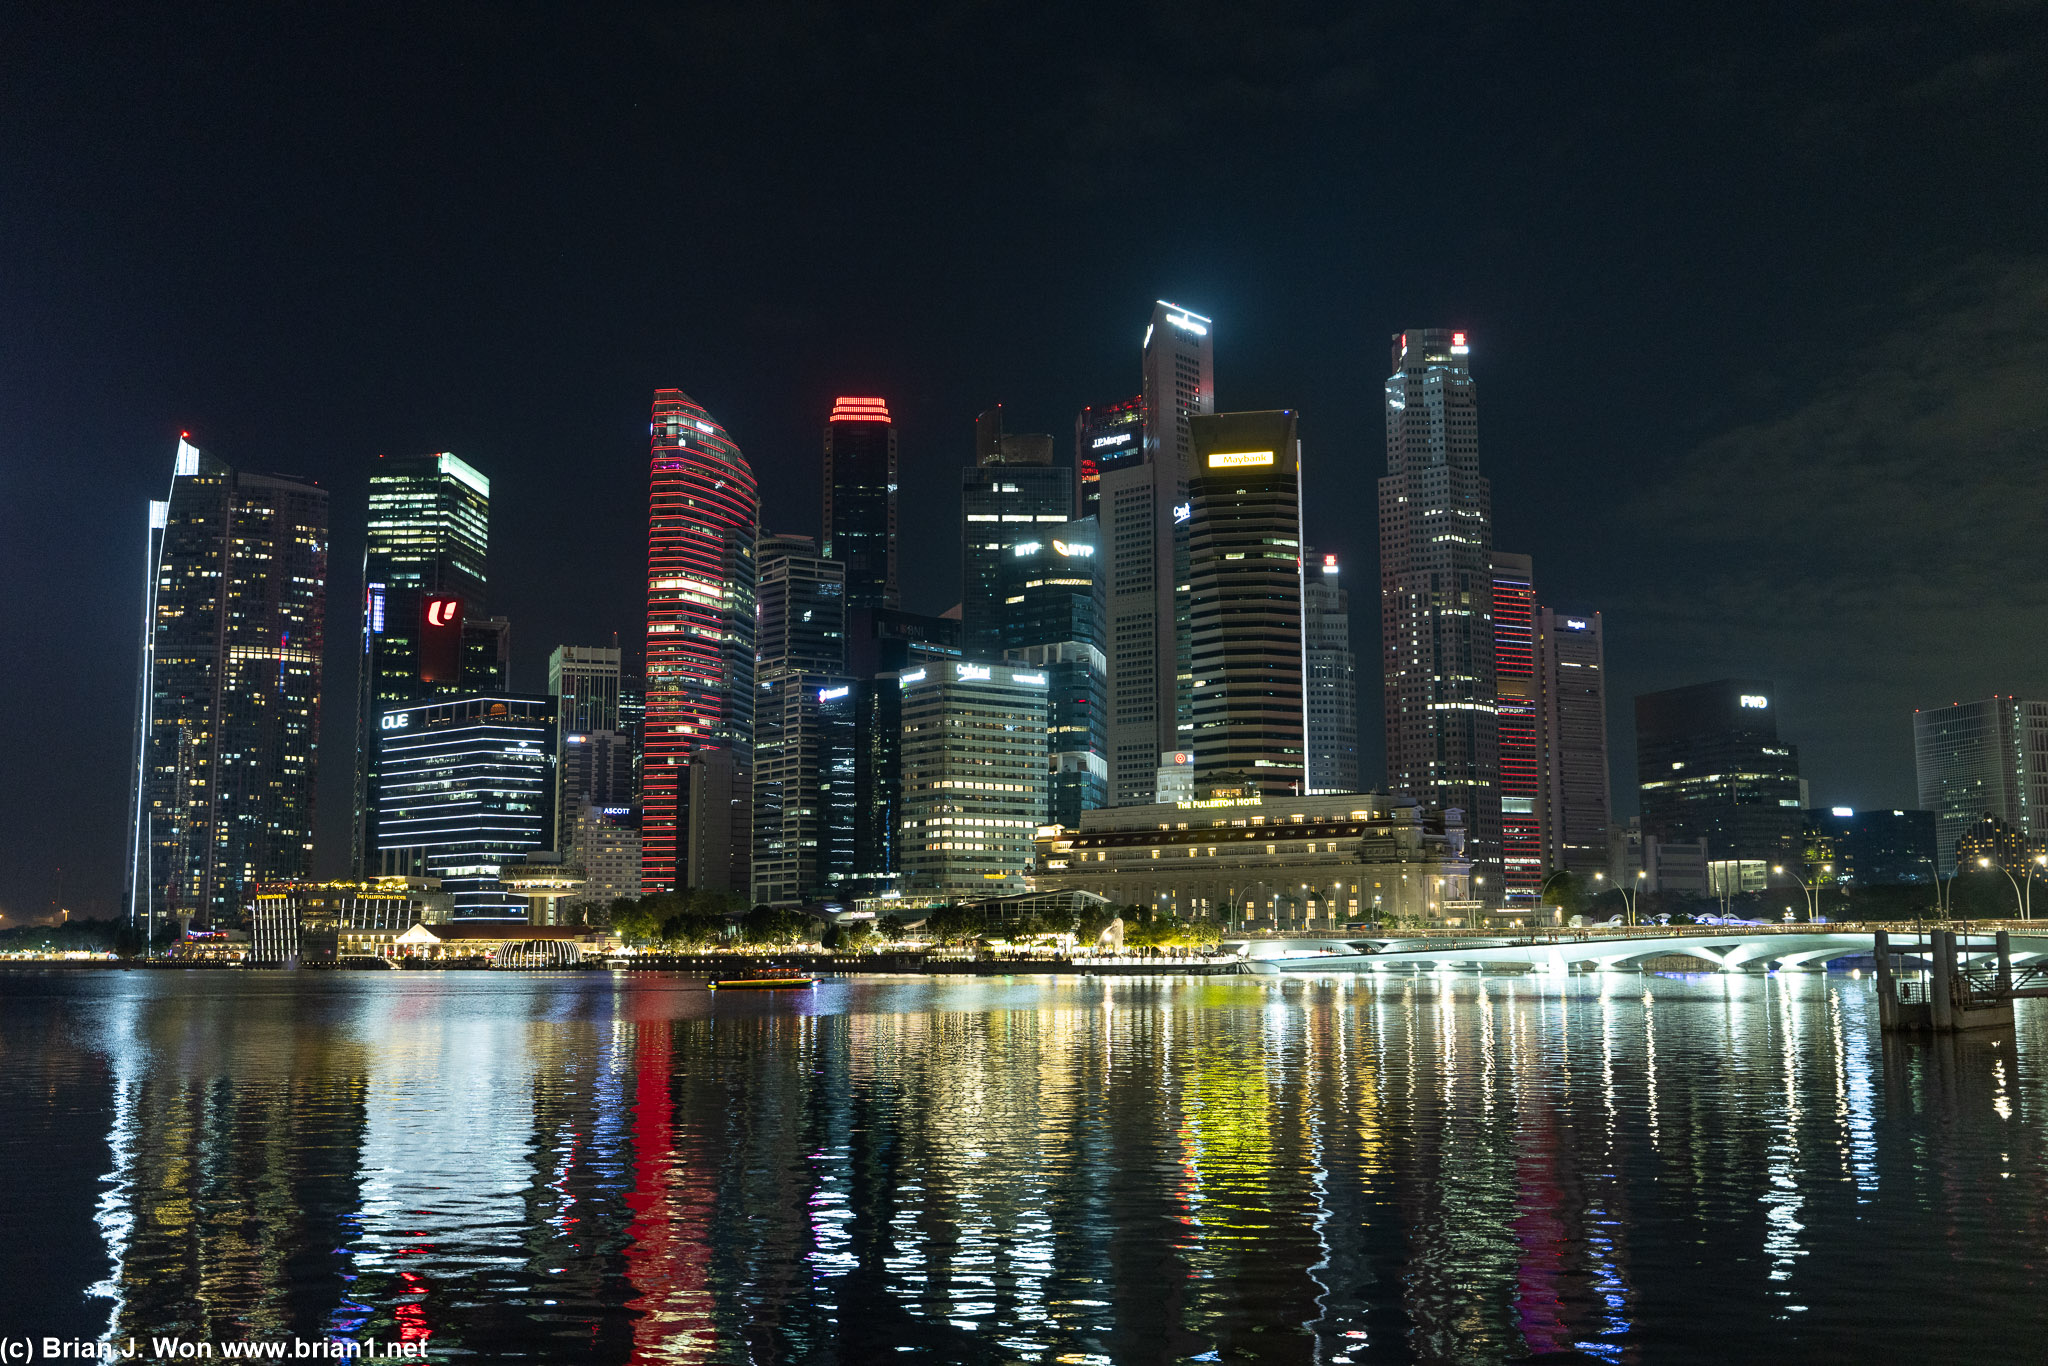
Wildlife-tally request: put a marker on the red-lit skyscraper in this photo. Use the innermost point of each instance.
(703, 514)
(1515, 710)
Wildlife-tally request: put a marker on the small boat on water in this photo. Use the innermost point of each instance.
(763, 983)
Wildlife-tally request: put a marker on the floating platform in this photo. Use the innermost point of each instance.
(764, 983)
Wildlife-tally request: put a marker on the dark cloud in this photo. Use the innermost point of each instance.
(1880, 536)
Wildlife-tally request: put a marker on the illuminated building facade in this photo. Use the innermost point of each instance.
(1075, 735)
(1051, 618)
(230, 689)
(311, 922)
(1244, 576)
(1329, 677)
(804, 709)
(860, 499)
(703, 514)
(1874, 848)
(425, 629)
(1107, 437)
(1011, 500)
(1709, 765)
(1307, 862)
(466, 785)
(1574, 803)
(974, 779)
(596, 756)
(803, 786)
(1436, 588)
(1978, 759)
(1144, 515)
(881, 644)
(604, 841)
(1518, 721)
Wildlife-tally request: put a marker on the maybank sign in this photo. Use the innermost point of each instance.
(1230, 460)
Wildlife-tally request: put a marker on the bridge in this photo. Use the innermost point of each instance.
(1715, 948)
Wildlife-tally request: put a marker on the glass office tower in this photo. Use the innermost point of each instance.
(230, 690)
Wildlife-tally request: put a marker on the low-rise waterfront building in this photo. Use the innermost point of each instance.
(321, 922)
(1277, 859)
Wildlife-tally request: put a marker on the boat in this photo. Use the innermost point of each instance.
(762, 983)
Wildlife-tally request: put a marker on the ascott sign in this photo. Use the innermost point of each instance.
(1226, 460)
(441, 639)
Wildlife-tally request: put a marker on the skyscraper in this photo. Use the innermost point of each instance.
(1009, 498)
(424, 557)
(1978, 759)
(1107, 437)
(1518, 721)
(703, 513)
(584, 680)
(974, 775)
(1244, 574)
(1330, 676)
(1144, 564)
(860, 499)
(803, 726)
(1574, 807)
(1052, 619)
(1436, 589)
(594, 754)
(1710, 765)
(230, 705)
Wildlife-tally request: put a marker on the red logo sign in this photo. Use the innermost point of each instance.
(441, 639)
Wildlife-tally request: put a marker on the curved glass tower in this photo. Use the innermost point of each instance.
(703, 514)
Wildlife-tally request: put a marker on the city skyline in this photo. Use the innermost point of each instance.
(303, 282)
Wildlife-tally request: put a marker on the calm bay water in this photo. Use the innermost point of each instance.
(584, 1167)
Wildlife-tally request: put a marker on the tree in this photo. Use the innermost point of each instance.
(775, 926)
(1566, 891)
(955, 925)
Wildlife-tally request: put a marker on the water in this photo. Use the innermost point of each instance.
(586, 1167)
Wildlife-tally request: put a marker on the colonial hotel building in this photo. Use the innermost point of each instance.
(1302, 862)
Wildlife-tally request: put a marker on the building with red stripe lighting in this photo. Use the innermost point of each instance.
(703, 515)
(1521, 784)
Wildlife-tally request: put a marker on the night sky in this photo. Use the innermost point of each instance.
(1758, 300)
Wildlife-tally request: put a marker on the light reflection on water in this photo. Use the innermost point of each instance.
(587, 1167)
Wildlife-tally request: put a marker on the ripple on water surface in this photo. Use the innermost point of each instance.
(588, 1167)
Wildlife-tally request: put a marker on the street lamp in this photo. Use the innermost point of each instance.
(1811, 890)
(1629, 896)
(1942, 891)
(2022, 894)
